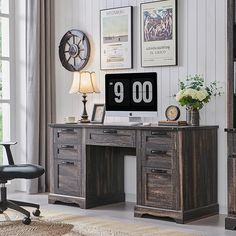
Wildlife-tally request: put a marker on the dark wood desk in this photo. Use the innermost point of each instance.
(176, 168)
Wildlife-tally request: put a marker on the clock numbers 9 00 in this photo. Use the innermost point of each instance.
(140, 92)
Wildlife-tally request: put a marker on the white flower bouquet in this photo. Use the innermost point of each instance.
(194, 94)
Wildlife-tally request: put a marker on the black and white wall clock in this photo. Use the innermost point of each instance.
(74, 50)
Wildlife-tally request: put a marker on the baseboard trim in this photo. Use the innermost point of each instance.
(130, 197)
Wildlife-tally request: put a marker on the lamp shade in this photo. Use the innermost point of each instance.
(75, 84)
(85, 85)
(94, 83)
(84, 82)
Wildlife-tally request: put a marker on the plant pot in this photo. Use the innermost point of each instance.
(195, 117)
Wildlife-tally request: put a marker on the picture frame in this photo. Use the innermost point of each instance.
(116, 38)
(98, 114)
(158, 21)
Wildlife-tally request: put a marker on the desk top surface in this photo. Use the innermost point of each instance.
(128, 126)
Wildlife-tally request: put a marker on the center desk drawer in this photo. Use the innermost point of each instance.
(67, 135)
(111, 137)
(159, 148)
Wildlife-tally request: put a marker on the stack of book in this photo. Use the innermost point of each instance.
(172, 123)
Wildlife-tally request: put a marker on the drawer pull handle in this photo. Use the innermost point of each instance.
(158, 171)
(158, 152)
(158, 133)
(110, 131)
(71, 131)
(67, 146)
(67, 163)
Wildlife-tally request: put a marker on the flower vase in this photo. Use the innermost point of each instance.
(188, 116)
(195, 117)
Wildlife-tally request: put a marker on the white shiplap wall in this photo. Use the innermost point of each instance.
(201, 49)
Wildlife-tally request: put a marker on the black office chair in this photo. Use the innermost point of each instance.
(22, 171)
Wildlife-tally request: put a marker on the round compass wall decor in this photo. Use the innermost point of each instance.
(74, 50)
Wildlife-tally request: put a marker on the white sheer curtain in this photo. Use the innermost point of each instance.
(40, 86)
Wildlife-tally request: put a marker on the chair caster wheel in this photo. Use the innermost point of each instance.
(26, 221)
(36, 212)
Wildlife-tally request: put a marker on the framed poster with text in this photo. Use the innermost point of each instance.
(116, 38)
(159, 33)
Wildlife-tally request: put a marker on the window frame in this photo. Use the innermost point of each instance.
(12, 99)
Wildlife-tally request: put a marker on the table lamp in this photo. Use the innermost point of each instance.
(84, 82)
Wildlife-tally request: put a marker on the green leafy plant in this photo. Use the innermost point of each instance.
(194, 94)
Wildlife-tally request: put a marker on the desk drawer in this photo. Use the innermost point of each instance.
(158, 137)
(159, 148)
(158, 188)
(67, 135)
(68, 177)
(68, 151)
(159, 156)
(111, 137)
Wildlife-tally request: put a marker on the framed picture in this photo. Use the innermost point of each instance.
(158, 33)
(116, 35)
(98, 113)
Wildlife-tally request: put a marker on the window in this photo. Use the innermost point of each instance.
(6, 65)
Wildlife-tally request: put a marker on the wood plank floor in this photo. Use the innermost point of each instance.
(211, 226)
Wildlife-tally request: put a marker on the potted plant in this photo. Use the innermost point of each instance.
(194, 95)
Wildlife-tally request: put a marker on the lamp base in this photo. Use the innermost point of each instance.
(84, 121)
(84, 117)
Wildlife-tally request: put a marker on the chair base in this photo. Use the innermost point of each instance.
(16, 205)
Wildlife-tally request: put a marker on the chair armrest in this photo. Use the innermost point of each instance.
(8, 143)
(7, 146)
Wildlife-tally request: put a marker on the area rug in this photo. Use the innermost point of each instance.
(58, 224)
(36, 228)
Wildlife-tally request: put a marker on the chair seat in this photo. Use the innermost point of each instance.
(22, 171)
